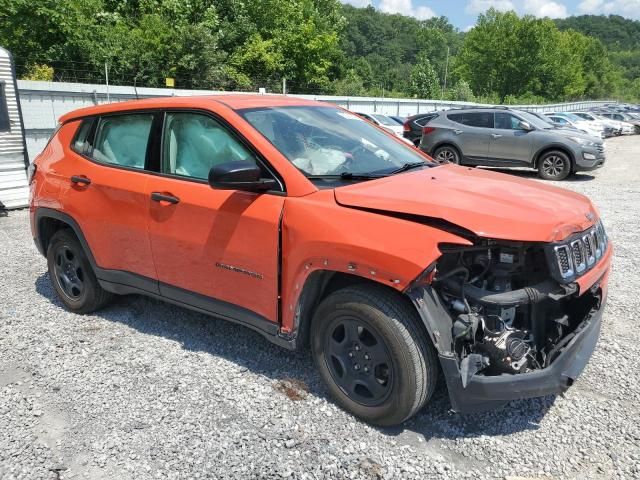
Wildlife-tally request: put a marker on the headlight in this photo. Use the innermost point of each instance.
(584, 141)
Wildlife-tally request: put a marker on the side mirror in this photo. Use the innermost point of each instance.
(526, 126)
(239, 175)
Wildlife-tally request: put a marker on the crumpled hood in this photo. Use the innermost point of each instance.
(490, 204)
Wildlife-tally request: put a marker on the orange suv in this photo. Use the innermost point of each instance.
(317, 229)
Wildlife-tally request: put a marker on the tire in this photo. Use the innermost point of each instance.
(554, 165)
(372, 354)
(72, 276)
(446, 154)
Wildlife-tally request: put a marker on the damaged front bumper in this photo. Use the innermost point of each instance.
(488, 392)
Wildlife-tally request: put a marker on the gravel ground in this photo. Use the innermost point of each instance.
(147, 390)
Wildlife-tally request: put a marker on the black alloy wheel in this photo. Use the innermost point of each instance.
(69, 272)
(72, 276)
(373, 354)
(359, 361)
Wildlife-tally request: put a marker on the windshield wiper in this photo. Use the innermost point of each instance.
(409, 166)
(346, 176)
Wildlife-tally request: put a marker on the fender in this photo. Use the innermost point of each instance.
(320, 235)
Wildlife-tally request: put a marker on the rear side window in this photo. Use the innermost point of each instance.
(5, 124)
(473, 119)
(82, 143)
(422, 121)
(122, 139)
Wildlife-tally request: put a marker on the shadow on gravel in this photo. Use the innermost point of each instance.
(250, 351)
(532, 174)
(203, 333)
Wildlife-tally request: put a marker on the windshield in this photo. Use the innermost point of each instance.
(534, 120)
(571, 116)
(384, 120)
(327, 141)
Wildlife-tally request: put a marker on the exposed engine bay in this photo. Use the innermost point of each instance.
(509, 316)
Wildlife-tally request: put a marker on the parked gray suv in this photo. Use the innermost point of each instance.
(501, 137)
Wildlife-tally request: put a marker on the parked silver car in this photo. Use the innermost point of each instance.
(501, 137)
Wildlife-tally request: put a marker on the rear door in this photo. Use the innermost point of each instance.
(510, 145)
(104, 184)
(472, 134)
(214, 249)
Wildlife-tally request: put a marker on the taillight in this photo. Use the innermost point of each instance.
(406, 127)
(427, 130)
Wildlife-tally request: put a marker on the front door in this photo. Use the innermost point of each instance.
(214, 249)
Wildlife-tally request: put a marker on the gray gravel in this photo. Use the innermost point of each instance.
(147, 390)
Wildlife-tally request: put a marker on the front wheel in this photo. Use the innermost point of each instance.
(554, 165)
(446, 154)
(372, 354)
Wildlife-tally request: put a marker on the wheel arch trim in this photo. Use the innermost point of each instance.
(554, 146)
(43, 213)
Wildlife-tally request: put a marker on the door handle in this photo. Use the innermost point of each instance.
(161, 197)
(80, 180)
(457, 132)
(496, 135)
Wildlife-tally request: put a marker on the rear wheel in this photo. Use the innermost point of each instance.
(372, 354)
(446, 154)
(72, 276)
(554, 165)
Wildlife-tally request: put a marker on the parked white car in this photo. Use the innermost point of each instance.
(569, 119)
(385, 122)
(621, 128)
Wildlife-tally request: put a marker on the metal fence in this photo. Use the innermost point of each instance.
(44, 102)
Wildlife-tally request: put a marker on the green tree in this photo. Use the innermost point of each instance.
(424, 80)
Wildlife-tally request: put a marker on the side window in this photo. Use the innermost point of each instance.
(455, 117)
(122, 139)
(473, 119)
(479, 119)
(421, 122)
(81, 142)
(506, 121)
(5, 123)
(194, 143)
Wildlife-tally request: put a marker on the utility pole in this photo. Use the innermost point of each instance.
(106, 76)
(446, 71)
(284, 85)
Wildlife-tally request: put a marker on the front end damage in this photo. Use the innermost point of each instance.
(514, 319)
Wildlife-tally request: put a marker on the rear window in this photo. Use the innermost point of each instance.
(122, 139)
(5, 124)
(422, 121)
(473, 119)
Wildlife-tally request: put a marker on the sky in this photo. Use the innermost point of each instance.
(463, 13)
